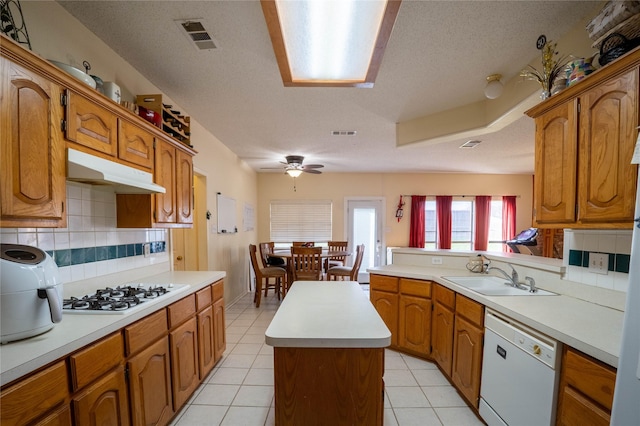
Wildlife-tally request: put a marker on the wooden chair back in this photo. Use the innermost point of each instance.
(306, 263)
(254, 262)
(336, 260)
(303, 244)
(357, 262)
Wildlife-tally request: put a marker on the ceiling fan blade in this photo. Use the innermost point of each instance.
(271, 168)
(313, 166)
(313, 171)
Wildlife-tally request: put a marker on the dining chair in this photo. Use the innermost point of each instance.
(266, 250)
(265, 276)
(303, 244)
(306, 263)
(345, 271)
(336, 260)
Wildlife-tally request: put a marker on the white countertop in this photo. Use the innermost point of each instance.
(327, 314)
(593, 329)
(76, 331)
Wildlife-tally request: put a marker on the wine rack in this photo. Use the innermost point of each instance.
(175, 124)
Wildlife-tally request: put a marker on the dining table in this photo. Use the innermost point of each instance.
(286, 255)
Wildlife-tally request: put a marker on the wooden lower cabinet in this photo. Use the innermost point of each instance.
(468, 339)
(387, 306)
(219, 336)
(58, 417)
(414, 328)
(442, 320)
(104, 402)
(150, 385)
(184, 361)
(306, 395)
(38, 396)
(206, 342)
(586, 390)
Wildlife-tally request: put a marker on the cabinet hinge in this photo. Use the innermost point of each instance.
(126, 374)
(63, 99)
(579, 106)
(154, 144)
(63, 125)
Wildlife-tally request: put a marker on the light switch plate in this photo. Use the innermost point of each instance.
(599, 263)
(436, 261)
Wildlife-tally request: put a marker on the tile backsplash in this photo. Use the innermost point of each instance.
(91, 245)
(615, 244)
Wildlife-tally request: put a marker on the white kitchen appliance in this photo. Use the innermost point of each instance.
(519, 374)
(30, 292)
(626, 396)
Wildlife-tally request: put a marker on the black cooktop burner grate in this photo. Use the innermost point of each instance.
(119, 298)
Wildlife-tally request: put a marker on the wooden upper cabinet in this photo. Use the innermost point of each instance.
(608, 131)
(135, 144)
(33, 171)
(585, 138)
(184, 187)
(165, 175)
(556, 163)
(91, 125)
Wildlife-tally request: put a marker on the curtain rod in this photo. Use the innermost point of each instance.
(462, 196)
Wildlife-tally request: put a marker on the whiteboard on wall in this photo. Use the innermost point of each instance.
(226, 215)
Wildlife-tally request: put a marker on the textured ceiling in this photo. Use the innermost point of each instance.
(437, 58)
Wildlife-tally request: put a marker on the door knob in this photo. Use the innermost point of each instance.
(179, 258)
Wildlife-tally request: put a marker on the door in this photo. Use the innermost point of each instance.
(189, 245)
(364, 226)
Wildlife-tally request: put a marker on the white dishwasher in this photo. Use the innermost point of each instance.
(519, 374)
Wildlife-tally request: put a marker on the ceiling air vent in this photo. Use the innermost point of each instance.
(196, 33)
(343, 133)
(471, 144)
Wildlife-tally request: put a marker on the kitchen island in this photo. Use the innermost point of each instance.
(328, 356)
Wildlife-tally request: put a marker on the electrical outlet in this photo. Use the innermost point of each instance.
(146, 250)
(599, 263)
(436, 261)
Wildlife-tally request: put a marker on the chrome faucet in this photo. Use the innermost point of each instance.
(532, 284)
(514, 278)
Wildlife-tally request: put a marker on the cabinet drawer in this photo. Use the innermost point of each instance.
(383, 283)
(473, 311)
(415, 287)
(181, 310)
(135, 145)
(90, 363)
(590, 377)
(578, 410)
(203, 298)
(218, 290)
(34, 396)
(145, 331)
(444, 296)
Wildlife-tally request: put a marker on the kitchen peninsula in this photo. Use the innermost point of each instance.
(328, 356)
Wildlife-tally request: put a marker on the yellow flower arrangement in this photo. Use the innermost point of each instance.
(551, 66)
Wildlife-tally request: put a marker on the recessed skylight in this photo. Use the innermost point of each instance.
(329, 42)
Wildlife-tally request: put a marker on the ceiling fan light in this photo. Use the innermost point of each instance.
(294, 173)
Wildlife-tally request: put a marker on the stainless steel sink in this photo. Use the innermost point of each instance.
(494, 286)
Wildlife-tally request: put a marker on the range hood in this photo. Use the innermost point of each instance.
(87, 168)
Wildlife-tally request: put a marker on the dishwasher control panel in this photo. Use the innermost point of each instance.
(532, 342)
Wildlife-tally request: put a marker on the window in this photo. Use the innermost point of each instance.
(463, 225)
(293, 220)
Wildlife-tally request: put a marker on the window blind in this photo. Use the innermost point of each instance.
(304, 220)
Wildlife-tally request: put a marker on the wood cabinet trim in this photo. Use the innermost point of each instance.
(93, 361)
(181, 310)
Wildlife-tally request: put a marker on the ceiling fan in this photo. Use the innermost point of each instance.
(294, 168)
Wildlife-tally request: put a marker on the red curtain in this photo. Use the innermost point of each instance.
(443, 221)
(508, 219)
(483, 215)
(416, 227)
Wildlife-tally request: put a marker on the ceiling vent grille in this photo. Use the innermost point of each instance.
(343, 133)
(471, 144)
(197, 34)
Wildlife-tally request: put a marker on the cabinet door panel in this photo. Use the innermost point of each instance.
(165, 175)
(219, 336)
(206, 342)
(556, 165)
(608, 121)
(184, 187)
(387, 306)
(135, 145)
(414, 328)
(91, 125)
(442, 337)
(150, 385)
(184, 362)
(33, 171)
(467, 359)
(104, 402)
(575, 409)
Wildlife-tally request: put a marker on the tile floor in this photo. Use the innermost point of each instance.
(239, 391)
